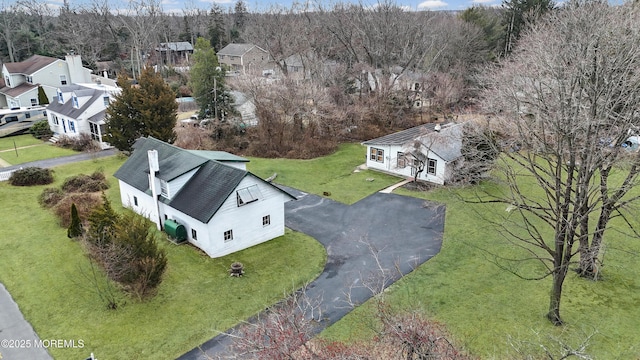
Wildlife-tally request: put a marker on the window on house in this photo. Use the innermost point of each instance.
(248, 195)
(29, 79)
(55, 120)
(135, 202)
(402, 161)
(27, 115)
(164, 188)
(60, 97)
(194, 234)
(431, 166)
(106, 100)
(266, 220)
(376, 155)
(7, 81)
(228, 235)
(34, 102)
(75, 101)
(416, 86)
(63, 79)
(72, 126)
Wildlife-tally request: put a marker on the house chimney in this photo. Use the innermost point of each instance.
(154, 167)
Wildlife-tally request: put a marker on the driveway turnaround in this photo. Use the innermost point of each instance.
(398, 232)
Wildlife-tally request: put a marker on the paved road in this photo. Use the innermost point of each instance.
(48, 163)
(404, 232)
(17, 337)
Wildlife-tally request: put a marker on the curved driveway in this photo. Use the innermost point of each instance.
(404, 232)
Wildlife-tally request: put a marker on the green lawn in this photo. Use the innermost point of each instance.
(35, 150)
(47, 274)
(333, 174)
(487, 309)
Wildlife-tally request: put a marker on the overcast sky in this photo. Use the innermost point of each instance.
(177, 6)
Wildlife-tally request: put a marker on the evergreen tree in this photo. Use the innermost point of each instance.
(123, 120)
(147, 110)
(207, 82)
(42, 96)
(159, 109)
(217, 37)
(102, 222)
(518, 14)
(75, 228)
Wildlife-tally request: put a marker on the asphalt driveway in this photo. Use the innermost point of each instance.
(403, 232)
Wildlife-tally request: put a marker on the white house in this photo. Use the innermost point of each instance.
(21, 79)
(431, 150)
(80, 109)
(221, 207)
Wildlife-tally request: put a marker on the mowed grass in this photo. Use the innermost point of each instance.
(333, 174)
(35, 150)
(51, 280)
(493, 314)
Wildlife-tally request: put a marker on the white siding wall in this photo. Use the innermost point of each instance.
(176, 184)
(245, 221)
(390, 164)
(145, 202)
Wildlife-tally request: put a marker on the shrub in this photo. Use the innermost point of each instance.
(50, 197)
(85, 183)
(41, 130)
(82, 142)
(31, 176)
(85, 203)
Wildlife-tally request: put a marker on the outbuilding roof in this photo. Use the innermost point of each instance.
(176, 46)
(402, 137)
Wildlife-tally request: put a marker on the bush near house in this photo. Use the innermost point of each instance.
(82, 142)
(41, 130)
(31, 176)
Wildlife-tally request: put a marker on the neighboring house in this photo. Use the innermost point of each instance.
(175, 52)
(432, 148)
(221, 207)
(80, 109)
(243, 58)
(21, 79)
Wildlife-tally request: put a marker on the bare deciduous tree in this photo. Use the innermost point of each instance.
(566, 102)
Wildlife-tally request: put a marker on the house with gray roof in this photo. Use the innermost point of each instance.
(22, 79)
(175, 52)
(243, 58)
(220, 206)
(429, 152)
(80, 109)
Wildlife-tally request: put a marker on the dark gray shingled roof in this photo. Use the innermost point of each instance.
(402, 137)
(202, 195)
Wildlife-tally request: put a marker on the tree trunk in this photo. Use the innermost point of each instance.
(556, 294)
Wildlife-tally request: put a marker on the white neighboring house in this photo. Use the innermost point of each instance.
(21, 79)
(80, 109)
(221, 207)
(433, 147)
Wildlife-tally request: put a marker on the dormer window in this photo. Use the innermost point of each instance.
(106, 100)
(29, 79)
(60, 97)
(75, 101)
(63, 79)
(248, 195)
(7, 80)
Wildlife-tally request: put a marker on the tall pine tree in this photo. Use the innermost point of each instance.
(149, 109)
(207, 82)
